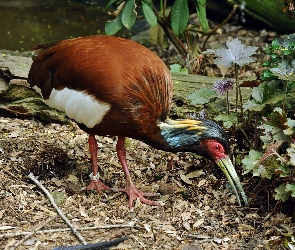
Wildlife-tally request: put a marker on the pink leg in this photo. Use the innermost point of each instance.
(130, 189)
(95, 182)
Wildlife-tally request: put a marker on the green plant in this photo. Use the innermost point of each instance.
(173, 21)
(176, 68)
(274, 85)
(281, 64)
(234, 55)
(276, 158)
(269, 104)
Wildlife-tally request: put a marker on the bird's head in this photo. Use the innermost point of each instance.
(205, 138)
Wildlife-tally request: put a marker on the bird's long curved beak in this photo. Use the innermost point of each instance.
(228, 169)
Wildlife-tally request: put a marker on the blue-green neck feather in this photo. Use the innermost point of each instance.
(189, 138)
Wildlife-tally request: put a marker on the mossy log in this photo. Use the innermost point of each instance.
(22, 102)
(266, 14)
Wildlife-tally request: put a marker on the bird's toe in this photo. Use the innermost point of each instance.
(98, 186)
(133, 194)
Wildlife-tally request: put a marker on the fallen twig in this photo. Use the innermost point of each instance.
(10, 235)
(138, 241)
(76, 233)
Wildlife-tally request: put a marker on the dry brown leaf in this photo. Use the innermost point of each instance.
(195, 174)
(72, 178)
(198, 223)
(185, 179)
(202, 182)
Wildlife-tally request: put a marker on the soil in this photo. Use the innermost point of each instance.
(199, 211)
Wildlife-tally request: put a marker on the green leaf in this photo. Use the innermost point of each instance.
(175, 67)
(266, 74)
(291, 154)
(279, 126)
(179, 16)
(201, 10)
(157, 36)
(201, 96)
(266, 64)
(112, 27)
(178, 69)
(265, 93)
(250, 160)
(275, 98)
(129, 14)
(227, 120)
(257, 93)
(282, 170)
(253, 106)
(283, 42)
(58, 197)
(270, 166)
(284, 70)
(290, 123)
(219, 105)
(291, 188)
(149, 15)
(291, 85)
(281, 193)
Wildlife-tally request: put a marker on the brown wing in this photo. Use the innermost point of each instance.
(128, 76)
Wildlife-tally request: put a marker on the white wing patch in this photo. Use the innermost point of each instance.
(77, 105)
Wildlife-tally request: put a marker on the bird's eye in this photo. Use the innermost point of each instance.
(218, 147)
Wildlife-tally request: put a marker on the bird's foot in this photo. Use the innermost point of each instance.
(133, 193)
(97, 185)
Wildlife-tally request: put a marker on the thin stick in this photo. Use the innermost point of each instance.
(227, 100)
(76, 233)
(237, 86)
(10, 235)
(32, 233)
(138, 241)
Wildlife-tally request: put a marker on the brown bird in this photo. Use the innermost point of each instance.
(116, 87)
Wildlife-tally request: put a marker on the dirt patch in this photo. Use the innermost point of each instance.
(194, 213)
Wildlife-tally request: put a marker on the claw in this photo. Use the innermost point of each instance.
(133, 194)
(98, 186)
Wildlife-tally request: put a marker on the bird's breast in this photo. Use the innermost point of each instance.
(77, 105)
